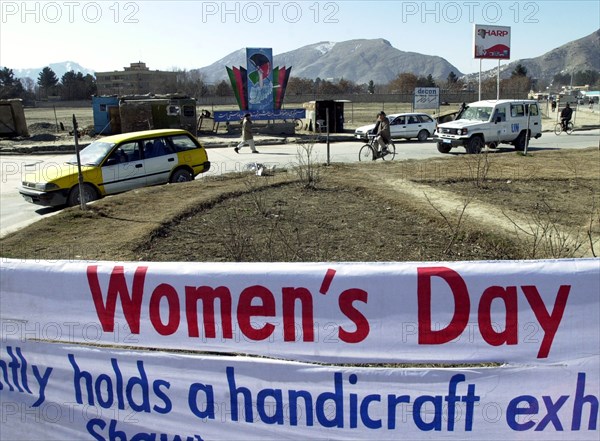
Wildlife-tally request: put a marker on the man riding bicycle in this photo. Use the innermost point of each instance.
(383, 135)
(565, 116)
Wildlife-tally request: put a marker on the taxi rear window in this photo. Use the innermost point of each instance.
(181, 143)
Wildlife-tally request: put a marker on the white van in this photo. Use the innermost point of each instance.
(491, 123)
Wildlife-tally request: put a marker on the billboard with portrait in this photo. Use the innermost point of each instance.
(260, 78)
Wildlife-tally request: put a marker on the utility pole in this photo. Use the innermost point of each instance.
(79, 174)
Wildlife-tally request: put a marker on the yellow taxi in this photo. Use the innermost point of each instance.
(119, 163)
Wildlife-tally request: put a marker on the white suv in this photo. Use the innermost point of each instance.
(491, 123)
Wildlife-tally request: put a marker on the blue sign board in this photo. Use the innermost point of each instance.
(259, 115)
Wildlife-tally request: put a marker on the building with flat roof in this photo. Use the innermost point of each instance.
(137, 79)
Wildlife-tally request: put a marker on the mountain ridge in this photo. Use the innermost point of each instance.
(364, 60)
(576, 55)
(358, 60)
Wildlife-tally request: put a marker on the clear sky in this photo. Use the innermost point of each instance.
(108, 35)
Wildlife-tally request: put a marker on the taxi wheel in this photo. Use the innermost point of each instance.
(89, 194)
(181, 175)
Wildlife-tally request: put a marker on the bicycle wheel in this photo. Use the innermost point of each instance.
(557, 129)
(366, 153)
(569, 128)
(391, 152)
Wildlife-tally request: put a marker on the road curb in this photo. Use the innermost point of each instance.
(58, 149)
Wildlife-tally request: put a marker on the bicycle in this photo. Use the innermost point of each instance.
(558, 128)
(370, 151)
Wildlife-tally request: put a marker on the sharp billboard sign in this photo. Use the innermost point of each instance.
(492, 42)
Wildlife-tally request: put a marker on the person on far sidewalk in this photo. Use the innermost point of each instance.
(247, 137)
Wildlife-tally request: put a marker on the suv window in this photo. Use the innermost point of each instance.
(517, 110)
(533, 109)
(181, 143)
(500, 112)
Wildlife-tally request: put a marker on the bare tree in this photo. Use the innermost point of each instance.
(192, 83)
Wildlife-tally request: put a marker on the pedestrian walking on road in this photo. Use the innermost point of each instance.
(247, 137)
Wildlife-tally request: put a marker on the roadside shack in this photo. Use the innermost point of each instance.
(316, 115)
(106, 114)
(12, 119)
(133, 113)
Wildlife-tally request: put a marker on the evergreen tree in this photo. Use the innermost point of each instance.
(453, 83)
(10, 87)
(47, 80)
(90, 86)
(452, 78)
(519, 71)
(69, 86)
(75, 86)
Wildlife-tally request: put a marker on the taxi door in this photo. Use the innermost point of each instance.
(125, 169)
(159, 160)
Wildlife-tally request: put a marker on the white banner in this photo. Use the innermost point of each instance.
(66, 392)
(542, 311)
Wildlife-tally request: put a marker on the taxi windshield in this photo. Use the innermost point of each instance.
(93, 154)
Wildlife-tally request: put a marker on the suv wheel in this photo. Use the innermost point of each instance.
(474, 145)
(520, 142)
(443, 148)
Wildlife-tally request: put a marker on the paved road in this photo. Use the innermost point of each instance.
(15, 213)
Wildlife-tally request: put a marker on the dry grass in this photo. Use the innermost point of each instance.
(362, 212)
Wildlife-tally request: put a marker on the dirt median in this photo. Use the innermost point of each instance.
(543, 205)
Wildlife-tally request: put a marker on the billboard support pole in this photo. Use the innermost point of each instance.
(491, 42)
(498, 82)
(479, 99)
